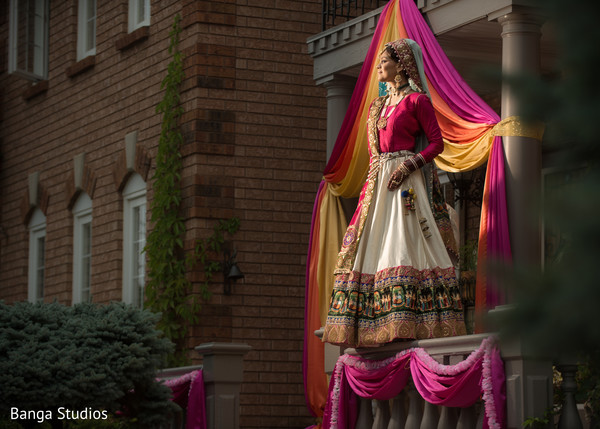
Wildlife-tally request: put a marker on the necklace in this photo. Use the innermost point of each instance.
(385, 114)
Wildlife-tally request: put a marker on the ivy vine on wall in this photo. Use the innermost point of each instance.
(168, 289)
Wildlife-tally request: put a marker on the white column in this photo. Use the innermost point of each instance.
(339, 92)
(521, 34)
(528, 377)
(528, 384)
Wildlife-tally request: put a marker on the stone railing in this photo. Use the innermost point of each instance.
(528, 385)
(409, 410)
(222, 371)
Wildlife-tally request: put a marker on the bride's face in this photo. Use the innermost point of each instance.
(387, 68)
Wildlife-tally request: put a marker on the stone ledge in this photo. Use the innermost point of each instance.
(81, 66)
(128, 40)
(207, 349)
(36, 89)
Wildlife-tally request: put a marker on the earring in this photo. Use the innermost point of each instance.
(413, 85)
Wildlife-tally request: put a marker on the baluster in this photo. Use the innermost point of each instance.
(415, 409)
(382, 415)
(365, 414)
(480, 417)
(430, 416)
(467, 419)
(569, 416)
(398, 418)
(448, 418)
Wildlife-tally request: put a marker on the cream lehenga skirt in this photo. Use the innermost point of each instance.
(402, 284)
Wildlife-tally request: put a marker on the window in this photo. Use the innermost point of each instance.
(28, 39)
(134, 240)
(82, 249)
(86, 29)
(37, 248)
(139, 14)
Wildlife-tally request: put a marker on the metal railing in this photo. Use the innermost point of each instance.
(343, 10)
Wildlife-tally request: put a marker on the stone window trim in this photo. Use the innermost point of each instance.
(133, 159)
(81, 66)
(35, 89)
(35, 197)
(81, 180)
(129, 40)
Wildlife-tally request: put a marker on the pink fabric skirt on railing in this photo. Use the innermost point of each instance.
(481, 375)
(188, 393)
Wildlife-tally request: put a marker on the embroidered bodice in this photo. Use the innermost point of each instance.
(412, 116)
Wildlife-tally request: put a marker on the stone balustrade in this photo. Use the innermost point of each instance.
(223, 371)
(409, 410)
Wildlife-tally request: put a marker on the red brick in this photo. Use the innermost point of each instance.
(255, 131)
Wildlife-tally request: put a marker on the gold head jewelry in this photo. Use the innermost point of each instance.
(404, 55)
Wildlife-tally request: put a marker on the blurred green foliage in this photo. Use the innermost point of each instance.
(558, 311)
(88, 356)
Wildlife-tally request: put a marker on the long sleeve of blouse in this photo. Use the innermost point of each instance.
(414, 115)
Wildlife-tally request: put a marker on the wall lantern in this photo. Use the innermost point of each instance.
(231, 271)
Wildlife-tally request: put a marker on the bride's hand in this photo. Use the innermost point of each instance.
(396, 179)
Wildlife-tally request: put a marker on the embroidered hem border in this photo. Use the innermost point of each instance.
(351, 336)
(396, 303)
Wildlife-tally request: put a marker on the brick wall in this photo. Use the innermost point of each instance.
(254, 148)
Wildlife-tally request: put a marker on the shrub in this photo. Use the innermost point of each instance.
(84, 357)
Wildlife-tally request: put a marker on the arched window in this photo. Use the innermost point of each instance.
(134, 240)
(82, 249)
(37, 250)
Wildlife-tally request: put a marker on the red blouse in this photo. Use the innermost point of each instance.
(412, 116)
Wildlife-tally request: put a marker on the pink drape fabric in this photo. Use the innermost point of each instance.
(463, 101)
(188, 393)
(441, 74)
(356, 101)
(481, 375)
(460, 390)
(498, 238)
(380, 383)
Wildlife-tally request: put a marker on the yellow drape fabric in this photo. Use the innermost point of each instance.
(467, 156)
(332, 215)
